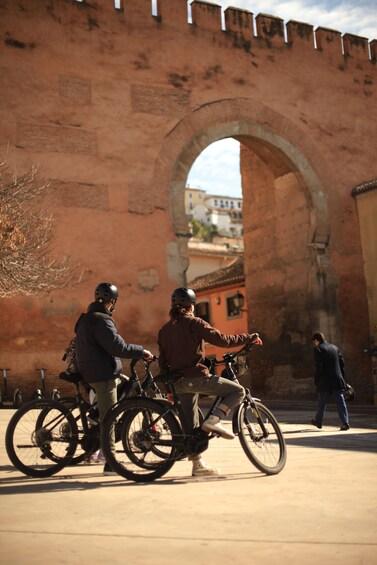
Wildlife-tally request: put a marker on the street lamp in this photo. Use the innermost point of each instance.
(239, 301)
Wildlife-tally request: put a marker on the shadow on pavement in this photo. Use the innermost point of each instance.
(346, 441)
(29, 485)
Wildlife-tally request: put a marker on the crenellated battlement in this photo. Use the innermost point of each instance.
(264, 30)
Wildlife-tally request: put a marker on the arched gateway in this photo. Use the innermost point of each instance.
(279, 162)
(115, 104)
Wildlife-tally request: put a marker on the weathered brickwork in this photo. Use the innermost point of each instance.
(115, 105)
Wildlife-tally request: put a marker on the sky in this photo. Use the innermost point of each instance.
(216, 170)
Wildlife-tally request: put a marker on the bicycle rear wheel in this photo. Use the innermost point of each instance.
(146, 433)
(41, 438)
(265, 448)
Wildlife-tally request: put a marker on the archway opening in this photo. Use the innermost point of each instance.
(276, 210)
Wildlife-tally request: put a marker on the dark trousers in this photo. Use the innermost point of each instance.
(323, 398)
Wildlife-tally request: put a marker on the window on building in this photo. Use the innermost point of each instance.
(215, 202)
(227, 204)
(232, 204)
(231, 309)
(202, 311)
(222, 203)
(239, 204)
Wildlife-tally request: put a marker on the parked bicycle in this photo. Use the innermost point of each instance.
(152, 436)
(45, 435)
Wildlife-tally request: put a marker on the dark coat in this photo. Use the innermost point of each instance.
(329, 367)
(182, 345)
(99, 346)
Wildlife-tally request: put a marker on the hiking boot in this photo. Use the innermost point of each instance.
(314, 423)
(107, 471)
(213, 424)
(201, 469)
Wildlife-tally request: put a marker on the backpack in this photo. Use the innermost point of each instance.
(70, 357)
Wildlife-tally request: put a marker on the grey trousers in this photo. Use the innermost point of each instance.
(188, 391)
(106, 392)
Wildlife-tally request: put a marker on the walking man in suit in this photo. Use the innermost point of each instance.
(329, 379)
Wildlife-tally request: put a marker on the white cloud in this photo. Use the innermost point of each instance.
(216, 170)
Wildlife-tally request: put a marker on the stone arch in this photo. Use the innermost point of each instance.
(282, 148)
(241, 119)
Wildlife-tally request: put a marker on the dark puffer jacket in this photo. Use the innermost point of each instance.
(99, 346)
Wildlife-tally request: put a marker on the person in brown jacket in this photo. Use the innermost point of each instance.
(181, 344)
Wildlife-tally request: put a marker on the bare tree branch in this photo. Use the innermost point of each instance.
(26, 232)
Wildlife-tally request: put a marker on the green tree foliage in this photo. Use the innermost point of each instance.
(201, 231)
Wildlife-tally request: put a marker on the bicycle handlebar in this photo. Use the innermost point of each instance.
(147, 362)
(233, 356)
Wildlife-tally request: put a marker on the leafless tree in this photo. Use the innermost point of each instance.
(26, 263)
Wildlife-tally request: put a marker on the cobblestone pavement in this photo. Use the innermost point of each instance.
(320, 509)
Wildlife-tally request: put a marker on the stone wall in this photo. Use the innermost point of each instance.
(116, 104)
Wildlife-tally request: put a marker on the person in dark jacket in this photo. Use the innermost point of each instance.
(329, 379)
(99, 348)
(181, 344)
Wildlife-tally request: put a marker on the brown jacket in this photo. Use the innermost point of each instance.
(182, 345)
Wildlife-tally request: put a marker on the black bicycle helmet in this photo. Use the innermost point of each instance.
(106, 292)
(183, 297)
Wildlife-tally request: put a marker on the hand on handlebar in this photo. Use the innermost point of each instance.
(147, 355)
(256, 340)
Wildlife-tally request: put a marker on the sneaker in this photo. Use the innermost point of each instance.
(201, 469)
(344, 427)
(107, 470)
(101, 457)
(97, 457)
(213, 424)
(314, 423)
(93, 459)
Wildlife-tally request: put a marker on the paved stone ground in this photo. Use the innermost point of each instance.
(321, 509)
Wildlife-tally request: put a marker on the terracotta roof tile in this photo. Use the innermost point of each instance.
(228, 275)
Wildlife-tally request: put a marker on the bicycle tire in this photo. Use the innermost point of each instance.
(268, 454)
(135, 456)
(41, 451)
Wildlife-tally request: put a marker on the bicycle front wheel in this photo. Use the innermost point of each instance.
(146, 434)
(41, 438)
(261, 438)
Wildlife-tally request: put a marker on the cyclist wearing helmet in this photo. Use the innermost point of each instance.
(99, 348)
(182, 349)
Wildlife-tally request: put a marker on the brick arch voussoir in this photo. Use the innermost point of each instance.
(236, 118)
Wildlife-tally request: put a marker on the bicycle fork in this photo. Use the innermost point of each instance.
(249, 401)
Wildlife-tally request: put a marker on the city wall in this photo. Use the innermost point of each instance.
(115, 105)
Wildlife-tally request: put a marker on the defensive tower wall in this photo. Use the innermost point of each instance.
(116, 103)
